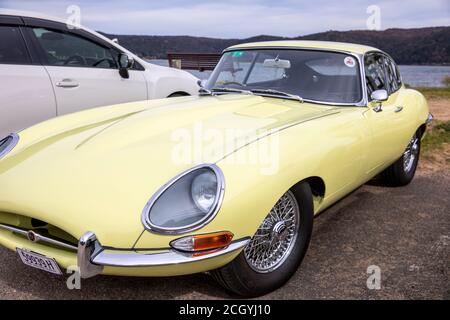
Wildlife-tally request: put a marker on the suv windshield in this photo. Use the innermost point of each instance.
(312, 75)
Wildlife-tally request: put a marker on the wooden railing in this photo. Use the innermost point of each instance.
(194, 61)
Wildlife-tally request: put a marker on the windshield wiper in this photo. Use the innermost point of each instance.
(205, 92)
(276, 93)
(213, 91)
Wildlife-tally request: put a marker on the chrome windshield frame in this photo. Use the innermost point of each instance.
(359, 57)
(15, 140)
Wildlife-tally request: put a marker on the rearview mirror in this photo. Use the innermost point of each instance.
(125, 62)
(277, 63)
(379, 95)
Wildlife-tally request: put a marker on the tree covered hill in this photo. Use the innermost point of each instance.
(406, 46)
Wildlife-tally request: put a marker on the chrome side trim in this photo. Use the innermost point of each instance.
(325, 114)
(116, 258)
(145, 218)
(37, 237)
(15, 140)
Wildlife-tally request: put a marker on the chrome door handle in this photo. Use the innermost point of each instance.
(398, 109)
(378, 108)
(67, 83)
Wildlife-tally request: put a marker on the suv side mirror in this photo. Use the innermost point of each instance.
(125, 62)
(202, 83)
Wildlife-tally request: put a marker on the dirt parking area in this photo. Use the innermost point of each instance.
(440, 108)
(405, 232)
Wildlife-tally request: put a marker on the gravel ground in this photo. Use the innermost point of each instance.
(404, 231)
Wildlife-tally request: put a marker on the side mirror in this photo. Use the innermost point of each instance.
(379, 95)
(202, 83)
(125, 62)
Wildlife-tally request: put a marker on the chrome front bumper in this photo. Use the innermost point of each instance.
(92, 257)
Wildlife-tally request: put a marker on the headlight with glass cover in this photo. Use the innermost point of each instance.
(187, 202)
(8, 143)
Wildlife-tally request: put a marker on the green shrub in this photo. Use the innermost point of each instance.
(444, 126)
(446, 81)
(437, 136)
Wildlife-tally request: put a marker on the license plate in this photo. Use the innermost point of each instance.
(39, 261)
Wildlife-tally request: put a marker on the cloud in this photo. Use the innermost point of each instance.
(240, 19)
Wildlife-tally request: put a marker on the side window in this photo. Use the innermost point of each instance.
(375, 73)
(391, 74)
(69, 50)
(398, 77)
(12, 46)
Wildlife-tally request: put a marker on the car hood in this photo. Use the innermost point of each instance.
(95, 170)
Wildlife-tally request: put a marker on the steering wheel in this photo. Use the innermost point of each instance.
(75, 58)
(101, 60)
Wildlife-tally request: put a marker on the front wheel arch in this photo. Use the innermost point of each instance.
(318, 189)
(240, 278)
(178, 94)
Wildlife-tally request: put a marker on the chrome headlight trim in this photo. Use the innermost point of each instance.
(14, 141)
(149, 226)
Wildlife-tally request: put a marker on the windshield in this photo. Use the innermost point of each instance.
(312, 75)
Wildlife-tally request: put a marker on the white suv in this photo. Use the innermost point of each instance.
(49, 68)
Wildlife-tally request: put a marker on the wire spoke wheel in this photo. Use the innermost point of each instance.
(275, 238)
(410, 154)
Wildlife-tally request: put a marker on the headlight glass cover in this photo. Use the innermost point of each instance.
(187, 202)
(8, 143)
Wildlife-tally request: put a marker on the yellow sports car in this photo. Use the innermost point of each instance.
(227, 182)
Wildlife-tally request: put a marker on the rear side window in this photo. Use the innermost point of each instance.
(12, 46)
(391, 74)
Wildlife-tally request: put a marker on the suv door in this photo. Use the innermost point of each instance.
(386, 124)
(26, 94)
(84, 73)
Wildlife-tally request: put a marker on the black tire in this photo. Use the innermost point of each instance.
(398, 174)
(241, 279)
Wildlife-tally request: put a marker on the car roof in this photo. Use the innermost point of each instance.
(29, 14)
(307, 44)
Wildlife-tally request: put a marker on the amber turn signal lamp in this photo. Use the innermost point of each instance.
(203, 242)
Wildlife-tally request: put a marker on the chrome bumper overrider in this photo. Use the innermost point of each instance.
(429, 119)
(92, 257)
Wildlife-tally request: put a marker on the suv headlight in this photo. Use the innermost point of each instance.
(8, 143)
(187, 202)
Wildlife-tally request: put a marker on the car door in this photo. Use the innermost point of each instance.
(84, 73)
(26, 94)
(384, 118)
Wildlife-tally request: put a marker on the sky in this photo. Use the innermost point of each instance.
(240, 19)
